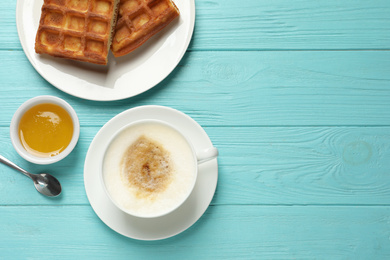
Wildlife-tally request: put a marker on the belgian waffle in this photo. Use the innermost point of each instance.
(77, 29)
(138, 20)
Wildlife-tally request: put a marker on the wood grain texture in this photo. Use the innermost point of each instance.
(296, 97)
(8, 33)
(283, 25)
(257, 166)
(282, 165)
(239, 88)
(228, 232)
(269, 25)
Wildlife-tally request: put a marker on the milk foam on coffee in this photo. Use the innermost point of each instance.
(149, 169)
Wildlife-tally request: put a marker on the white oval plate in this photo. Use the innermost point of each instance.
(123, 77)
(162, 227)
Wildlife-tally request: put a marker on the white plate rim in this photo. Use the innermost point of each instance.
(107, 95)
(198, 201)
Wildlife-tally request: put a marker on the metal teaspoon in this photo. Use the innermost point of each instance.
(44, 182)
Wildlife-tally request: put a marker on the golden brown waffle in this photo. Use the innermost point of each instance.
(77, 29)
(138, 20)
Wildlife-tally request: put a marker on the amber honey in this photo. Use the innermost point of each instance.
(45, 130)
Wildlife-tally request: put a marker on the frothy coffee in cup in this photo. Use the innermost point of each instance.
(149, 169)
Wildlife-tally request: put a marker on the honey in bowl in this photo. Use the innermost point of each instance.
(45, 130)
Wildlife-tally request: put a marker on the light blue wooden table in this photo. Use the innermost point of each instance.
(296, 96)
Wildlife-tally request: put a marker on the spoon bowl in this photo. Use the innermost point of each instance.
(45, 183)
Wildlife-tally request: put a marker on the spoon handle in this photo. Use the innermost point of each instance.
(14, 166)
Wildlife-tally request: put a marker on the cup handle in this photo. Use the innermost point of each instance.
(207, 155)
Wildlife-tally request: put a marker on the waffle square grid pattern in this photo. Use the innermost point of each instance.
(76, 29)
(138, 20)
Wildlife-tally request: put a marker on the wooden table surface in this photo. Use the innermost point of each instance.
(296, 96)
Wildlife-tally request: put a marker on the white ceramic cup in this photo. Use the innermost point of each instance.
(198, 157)
(15, 125)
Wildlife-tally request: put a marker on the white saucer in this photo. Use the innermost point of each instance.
(123, 77)
(168, 225)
